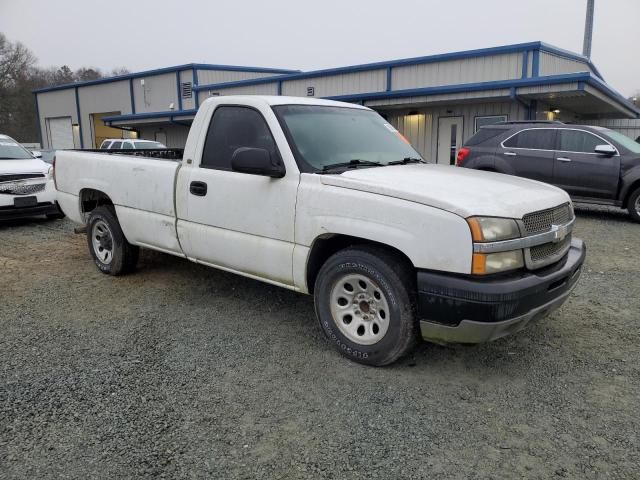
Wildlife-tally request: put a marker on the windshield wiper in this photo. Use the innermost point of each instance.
(406, 161)
(355, 163)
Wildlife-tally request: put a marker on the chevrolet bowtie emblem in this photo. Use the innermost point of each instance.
(559, 232)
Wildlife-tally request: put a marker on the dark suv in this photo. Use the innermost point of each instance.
(593, 164)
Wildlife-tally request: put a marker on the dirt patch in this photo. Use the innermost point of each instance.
(184, 371)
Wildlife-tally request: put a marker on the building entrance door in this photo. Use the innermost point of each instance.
(449, 139)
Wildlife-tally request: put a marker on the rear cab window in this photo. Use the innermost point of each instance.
(116, 146)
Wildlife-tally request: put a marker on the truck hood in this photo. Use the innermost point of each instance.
(30, 165)
(462, 191)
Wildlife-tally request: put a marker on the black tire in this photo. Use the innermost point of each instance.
(395, 282)
(124, 256)
(633, 205)
(57, 215)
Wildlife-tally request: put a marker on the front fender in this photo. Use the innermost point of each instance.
(431, 238)
(628, 183)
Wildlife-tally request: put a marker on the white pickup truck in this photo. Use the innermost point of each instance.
(327, 198)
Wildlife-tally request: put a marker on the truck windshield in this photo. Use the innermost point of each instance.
(623, 140)
(324, 137)
(12, 150)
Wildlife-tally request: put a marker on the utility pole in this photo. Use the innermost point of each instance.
(588, 30)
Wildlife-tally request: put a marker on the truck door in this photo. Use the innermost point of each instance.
(582, 172)
(237, 221)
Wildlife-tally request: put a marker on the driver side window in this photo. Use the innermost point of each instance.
(578, 141)
(232, 128)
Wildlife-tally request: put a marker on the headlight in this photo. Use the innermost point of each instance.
(486, 263)
(490, 229)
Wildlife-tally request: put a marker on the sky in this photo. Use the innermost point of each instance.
(297, 34)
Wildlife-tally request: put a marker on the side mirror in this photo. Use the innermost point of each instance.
(607, 150)
(36, 154)
(256, 161)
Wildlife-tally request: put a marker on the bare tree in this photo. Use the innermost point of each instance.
(19, 76)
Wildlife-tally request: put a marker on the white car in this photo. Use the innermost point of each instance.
(123, 144)
(327, 198)
(26, 186)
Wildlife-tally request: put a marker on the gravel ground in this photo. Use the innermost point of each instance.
(182, 371)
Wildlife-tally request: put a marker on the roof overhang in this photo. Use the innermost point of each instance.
(183, 117)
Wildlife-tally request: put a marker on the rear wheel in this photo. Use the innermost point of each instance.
(363, 303)
(634, 205)
(109, 248)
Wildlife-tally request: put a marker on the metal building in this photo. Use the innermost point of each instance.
(437, 101)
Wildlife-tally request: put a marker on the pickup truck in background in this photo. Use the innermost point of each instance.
(26, 186)
(593, 164)
(327, 198)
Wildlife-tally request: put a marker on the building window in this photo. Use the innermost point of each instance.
(187, 90)
(488, 120)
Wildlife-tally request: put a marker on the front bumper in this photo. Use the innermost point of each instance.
(465, 309)
(44, 208)
(45, 203)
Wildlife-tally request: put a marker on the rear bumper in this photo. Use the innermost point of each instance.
(9, 212)
(465, 309)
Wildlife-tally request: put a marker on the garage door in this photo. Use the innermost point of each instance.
(60, 132)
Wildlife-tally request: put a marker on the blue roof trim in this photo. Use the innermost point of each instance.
(545, 47)
(535, 47)
(466, 87)
(143, 116)
(599, 84)
(161, 71)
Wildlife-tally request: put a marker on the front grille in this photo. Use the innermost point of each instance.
(541, 221)
(19, 176)
(548, 251)
(21, 188)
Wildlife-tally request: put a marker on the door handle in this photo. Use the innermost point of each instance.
(511, 154)
(563, 159)
(198, 188)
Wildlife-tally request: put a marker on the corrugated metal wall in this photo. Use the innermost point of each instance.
(262, 89)
(452, 72)
(627, 126)
(106, 97)
(60, 103)
(553, 65)
(156, 94)
(176, 136)
(206, 77)
(344, 84)
(421, 129)
(186, 76)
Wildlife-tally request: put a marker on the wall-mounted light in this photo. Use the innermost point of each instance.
(172, 106)
(556, 111)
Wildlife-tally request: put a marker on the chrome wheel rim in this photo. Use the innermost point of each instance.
(102, 241)
(359, 309)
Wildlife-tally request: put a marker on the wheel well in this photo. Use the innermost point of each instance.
(634, 186)
(90, 199)
(325, 246)
(487, 169)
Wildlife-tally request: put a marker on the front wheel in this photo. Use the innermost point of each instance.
(363, 303)
(108, 246)
(634, 205)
